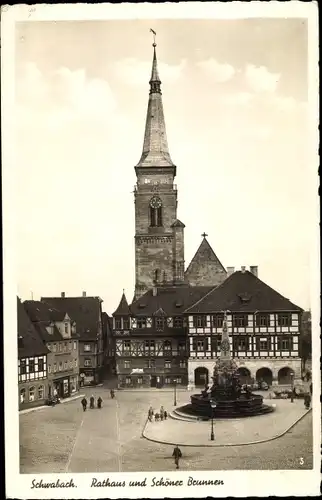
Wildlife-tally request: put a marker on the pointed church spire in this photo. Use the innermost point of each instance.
(155, 147)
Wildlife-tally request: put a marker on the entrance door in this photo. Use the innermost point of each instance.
(153, 381)
(201, 377)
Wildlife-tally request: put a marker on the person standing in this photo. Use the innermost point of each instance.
(177, 455)
(99, 402)
(84, 404)
(91, 402)
(161, 413)
(150, 414)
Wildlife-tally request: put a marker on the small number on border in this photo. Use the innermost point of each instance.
(301, 461)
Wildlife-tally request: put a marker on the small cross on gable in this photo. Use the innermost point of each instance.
(204, 235)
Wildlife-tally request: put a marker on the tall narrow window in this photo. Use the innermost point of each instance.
(155, 212)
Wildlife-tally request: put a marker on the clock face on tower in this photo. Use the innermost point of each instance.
(155, 202)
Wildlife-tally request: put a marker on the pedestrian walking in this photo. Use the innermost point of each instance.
(84, 404)
(112, 393)
(165, 414)
(161, 413)
(150, 414)
(177, 455)
(91, 402)
(99, 402)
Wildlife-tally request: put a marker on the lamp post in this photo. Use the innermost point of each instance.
(213, 406)
(175, 392)
(292, 386)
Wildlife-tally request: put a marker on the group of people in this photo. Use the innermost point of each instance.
(92, 402)
(161, 415)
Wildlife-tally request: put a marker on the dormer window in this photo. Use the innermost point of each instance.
(126, 323)
(117, 323)
(177, 322)
(141, 322)
(66, 327)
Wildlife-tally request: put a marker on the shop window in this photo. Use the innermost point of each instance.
(167, 380)
(41, 392)
(140, 380)
(31, 393)
(73, 385)
(128, 380)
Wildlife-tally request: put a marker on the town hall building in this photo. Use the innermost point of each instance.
(170, 333)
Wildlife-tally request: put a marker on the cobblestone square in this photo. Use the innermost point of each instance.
(66, 439)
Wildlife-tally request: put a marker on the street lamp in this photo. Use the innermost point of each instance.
(213, 406)
(175, 392)
(292, 386)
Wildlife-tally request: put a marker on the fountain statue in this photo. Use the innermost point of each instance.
(230, 397)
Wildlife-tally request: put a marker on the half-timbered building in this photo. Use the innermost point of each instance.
(171, 332)
(151, 336)
(32, 362)
(263, 326)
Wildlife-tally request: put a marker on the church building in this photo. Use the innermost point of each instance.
(170, 333)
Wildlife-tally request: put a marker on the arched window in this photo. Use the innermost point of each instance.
(41, 392)
(31, 393)
(22, 396)
(155, 212)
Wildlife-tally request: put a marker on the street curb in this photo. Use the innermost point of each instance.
(228, 444)
(42, 407)
(151, 390)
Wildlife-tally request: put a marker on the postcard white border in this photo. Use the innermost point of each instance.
(236, 483)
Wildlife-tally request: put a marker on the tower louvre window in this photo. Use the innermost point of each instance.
(156, 217)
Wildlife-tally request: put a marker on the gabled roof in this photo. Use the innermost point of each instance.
(85, 311)
(205, 267)
(41, 311)
(242, 292)
(123, 307)
(29, 341)
(173, 300)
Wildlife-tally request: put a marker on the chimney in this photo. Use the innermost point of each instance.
(84, 294)
(154, 291)
(243, 269)
(62, 295)
(230, 270)
(254, 270)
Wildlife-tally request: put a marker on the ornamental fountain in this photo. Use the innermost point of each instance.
(226, 398)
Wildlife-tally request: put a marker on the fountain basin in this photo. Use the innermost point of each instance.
(243, 406)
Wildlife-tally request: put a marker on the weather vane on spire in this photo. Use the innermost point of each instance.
(154, 35)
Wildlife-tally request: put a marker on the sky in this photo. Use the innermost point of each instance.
(235, 97)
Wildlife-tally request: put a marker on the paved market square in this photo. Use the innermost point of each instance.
(65, 439)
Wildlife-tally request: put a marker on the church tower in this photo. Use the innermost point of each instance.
(159, 236)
